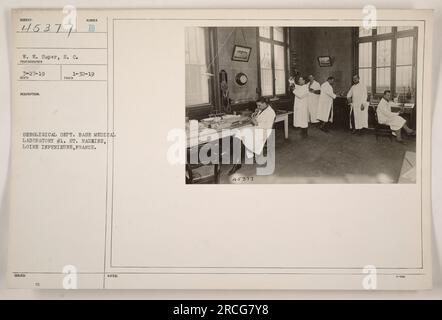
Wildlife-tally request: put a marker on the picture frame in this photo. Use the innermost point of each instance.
(325, 61)
(241, 53)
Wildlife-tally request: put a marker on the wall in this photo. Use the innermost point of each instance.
(337, 42)
(308, 43)
(227, 38)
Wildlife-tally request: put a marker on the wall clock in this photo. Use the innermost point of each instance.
(241, 79)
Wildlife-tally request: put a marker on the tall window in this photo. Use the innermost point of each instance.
(197, 75)
(365, 64)
(265, 51)
(272, 60)
(383, 65)
(387, 60)
(404, 66)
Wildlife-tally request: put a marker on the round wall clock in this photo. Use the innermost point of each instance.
(241, 78)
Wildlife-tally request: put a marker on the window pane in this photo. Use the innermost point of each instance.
(365, 54)
(264, 32)
(405, 51)
(383, 53)
(404, 80)
(197, 81)
(404, 69)
(278, 33)
(383, 76)
(404, 28)
(364, 32)
(279, 69)
(365, 78)
(382, 30)
(266, 69)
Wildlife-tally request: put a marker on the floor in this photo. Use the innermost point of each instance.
(333, 157)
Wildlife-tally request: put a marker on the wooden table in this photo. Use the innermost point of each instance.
(284, 116)
(408, 111)
(221, 132)
(281, 116)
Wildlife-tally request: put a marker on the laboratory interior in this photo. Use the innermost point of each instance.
(341, 102)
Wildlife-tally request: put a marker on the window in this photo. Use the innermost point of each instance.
(404, 28)
(387, 60)
(278, 34)
(264, 32)
(383, 65)
(404, 66)
(197, 75)
(272, 60)
(383, 30)
(363, 32)
(365, 64)
(279, 69)
(266, 68)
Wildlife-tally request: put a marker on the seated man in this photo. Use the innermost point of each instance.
(392, 119)
(254, 138)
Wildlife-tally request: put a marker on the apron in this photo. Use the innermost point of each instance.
(300, 106)
(358, 93)
(254, 138)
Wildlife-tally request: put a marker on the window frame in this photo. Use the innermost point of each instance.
(273, 42)
(210, 43)
(393, 36)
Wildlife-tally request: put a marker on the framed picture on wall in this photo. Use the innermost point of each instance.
(241, 53)
(325, 61)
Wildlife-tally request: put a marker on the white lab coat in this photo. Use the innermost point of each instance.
(255, 137)
(313, 101)
(358, 93)
(385, 116)
(325, 105)
(300, 106)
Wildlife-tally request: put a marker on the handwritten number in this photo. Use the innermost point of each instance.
(47, 28)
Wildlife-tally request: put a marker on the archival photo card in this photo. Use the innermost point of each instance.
(220, 149)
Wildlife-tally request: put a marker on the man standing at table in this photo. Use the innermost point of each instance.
(325, 106)
(357, 98)
(313, 98)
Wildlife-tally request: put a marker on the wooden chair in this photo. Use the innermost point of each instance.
(381, 130)
(192, 176)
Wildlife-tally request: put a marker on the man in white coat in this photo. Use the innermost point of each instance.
(254, 138)
(313, 98)
(357, 98)
(300, 106)
(325, 106)
(392, 119)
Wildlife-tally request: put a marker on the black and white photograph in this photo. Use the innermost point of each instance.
(301, 105)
